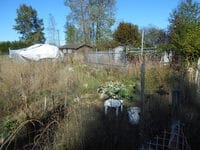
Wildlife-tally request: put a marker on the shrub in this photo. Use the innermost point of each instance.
(113, 89)
(4, 46)
(7, 126)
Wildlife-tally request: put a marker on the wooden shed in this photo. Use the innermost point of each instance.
(75, 48)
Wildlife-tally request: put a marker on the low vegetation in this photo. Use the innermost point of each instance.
(60, 100)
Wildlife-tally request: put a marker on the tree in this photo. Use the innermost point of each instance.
(28, 25)
(53, 33)
(5, 45)
(92, 18)
(102, 18)
(154, 37)
(184, 30)
(127, 34)
(71, 34)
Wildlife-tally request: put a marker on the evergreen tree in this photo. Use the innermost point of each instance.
(127, 34)
(28, 25)
(71, 34)
(184, 30)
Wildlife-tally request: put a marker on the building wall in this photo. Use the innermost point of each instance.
(84, 49)
(67, 51)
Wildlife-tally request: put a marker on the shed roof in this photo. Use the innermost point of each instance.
(74, 46)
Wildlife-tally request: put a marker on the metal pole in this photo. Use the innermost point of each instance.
(142, 82)
(142, 43)
(58, 38)
(142, 71)
(96, 58)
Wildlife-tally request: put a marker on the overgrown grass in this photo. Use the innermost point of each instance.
(25, 88)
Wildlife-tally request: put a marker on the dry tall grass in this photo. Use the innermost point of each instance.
(25, 87)
(33, 88)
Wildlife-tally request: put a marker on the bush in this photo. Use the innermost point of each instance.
(7, 126)
(113, 89)
(4, 46)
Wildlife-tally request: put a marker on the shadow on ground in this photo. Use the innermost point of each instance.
(113, 133)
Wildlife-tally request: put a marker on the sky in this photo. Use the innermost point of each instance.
(139, 12)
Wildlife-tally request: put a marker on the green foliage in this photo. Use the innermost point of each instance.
(113, 89)
(71, 33)
(7, 126)
(28, 25)
(127, 34)
(93, 19)
(184, 30)
(4, 46)
(154, 37)
(106, 44)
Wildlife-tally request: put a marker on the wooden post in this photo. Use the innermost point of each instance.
(126, 56)
(175, 125)
(96, 57)
(53, 101)
(142, 43)
(175, 104)
(142, 72)
(142, 82)
(109, 57)
(45, 103)
(65, 103)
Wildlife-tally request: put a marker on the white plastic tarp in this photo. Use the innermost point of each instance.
(36, 52)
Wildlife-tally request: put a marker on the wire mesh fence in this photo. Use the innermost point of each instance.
(174, 140)
(120, 58)
(108, 58)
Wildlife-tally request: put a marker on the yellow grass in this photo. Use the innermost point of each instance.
(24, 87)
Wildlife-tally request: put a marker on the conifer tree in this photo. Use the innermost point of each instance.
(29, 25)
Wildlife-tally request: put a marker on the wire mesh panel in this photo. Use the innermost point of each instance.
(106, 58)
(174, 140)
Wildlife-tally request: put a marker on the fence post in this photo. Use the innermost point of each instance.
(45, 103)
(175, 104)
(126, 55)
(142, 70)
(65, 102)
(108, 57)
(96, 57)
(142, 83)
(53, 101)
(175, 127)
